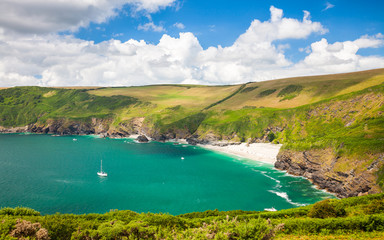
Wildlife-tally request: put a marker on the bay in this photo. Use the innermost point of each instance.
(58, 174)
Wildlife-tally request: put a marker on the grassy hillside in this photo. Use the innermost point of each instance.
(294, 92)
(282, 93)
(165, 96)
(26, 105)
(352, 218)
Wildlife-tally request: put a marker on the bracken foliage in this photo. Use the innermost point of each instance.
(355, 217)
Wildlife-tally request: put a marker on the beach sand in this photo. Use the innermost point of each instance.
(262, 152)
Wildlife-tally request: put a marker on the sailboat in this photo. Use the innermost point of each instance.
(101, 173)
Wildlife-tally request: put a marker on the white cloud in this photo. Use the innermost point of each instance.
(49, 16)
(328, 5)
(342, 56)
(256, 55)
(179, 25)
(370, 41)
(151, 27)
(279, 28)
(152, 6)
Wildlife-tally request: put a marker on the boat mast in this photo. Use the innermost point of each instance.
(101, 166)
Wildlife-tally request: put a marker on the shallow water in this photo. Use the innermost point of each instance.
(58, 174)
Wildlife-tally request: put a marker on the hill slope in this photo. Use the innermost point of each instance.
(331, 127)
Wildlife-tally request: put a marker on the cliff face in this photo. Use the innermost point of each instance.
(322, 167)
(103, 127)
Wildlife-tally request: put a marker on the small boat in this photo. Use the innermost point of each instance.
(101, 173)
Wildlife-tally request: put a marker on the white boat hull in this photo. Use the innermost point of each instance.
(102, 174)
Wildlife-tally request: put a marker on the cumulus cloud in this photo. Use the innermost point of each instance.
(342, 56)
(257, 54)
(48, 16)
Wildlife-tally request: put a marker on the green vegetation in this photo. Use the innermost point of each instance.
(20, 106)
(348, 218)
(266, 92)
(248, 89)
(325, 209)
(289, 90)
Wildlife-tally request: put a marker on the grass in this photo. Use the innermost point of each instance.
(314, 89)
(165, 96)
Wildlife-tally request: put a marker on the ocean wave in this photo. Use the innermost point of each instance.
(290, 175)
(285, 196)
(278, 182)
(272, 209)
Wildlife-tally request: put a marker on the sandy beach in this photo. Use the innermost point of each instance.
(262, 152)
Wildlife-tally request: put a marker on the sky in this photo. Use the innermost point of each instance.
(212, 42)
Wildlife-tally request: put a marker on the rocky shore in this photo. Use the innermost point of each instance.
(320, 167)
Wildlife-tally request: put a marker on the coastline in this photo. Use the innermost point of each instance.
(261, 152)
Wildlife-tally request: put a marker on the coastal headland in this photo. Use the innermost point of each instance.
(329, 129)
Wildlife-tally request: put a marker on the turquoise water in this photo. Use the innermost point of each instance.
(57, 174)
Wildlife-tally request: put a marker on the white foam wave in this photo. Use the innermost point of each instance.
(285, 196)
(278, 185)
(272, 209)
(290, 175)
(274, 179)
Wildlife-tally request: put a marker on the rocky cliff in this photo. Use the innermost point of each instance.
(324, 169)
(103, 127)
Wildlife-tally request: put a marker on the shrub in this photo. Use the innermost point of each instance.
(267, 92)
(325, 209)
(290, 89)
(27, 229)
(271, 136)
(376, 206)
(248, 89)
(19, 211)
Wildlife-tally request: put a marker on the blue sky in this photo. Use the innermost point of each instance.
(135, 42)
(220, 22)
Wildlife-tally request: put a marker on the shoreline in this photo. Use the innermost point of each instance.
(261, 152)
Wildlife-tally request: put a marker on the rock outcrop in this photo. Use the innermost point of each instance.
(13, 129)
(322, 168)
(142, 139)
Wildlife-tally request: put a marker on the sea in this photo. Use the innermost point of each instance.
(58, 174)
